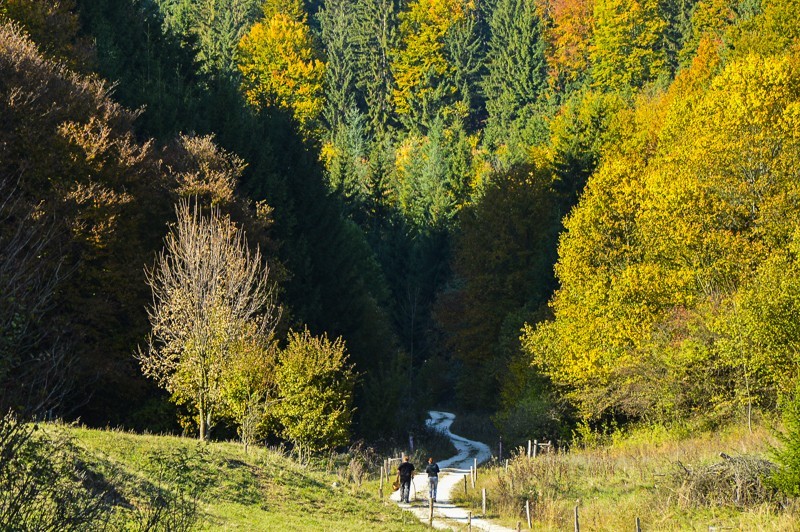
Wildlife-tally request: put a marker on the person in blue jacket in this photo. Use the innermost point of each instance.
(433, 477)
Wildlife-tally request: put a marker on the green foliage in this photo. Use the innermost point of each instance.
(43, 485)
(314, 392)
(516, 71)
(336, 21)
(787, 477)
(503, 258)
(373, 34)
(214, 28)
(425, 75)
(152, 68)
(248, 385)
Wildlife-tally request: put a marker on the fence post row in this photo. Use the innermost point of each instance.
(533, 447)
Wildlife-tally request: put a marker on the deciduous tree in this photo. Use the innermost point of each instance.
(280, 66)
(314, 391)
(209, 293)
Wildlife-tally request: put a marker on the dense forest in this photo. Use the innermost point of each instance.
(556, 212)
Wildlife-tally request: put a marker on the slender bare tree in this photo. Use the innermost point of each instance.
(34, 361)
(209, 290)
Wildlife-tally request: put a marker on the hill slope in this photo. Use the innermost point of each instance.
(166, 482)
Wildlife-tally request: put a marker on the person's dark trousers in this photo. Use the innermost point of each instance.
(433, 482)
(405, 490)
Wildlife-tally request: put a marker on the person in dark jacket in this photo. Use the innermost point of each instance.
(405, 472)
(433, 477)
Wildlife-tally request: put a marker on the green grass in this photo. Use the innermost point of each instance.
(631, 476)
(260, 490)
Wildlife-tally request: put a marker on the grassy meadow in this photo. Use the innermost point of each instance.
(670, 480)
(181, 483)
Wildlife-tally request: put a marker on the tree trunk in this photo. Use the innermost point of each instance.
(202, 425)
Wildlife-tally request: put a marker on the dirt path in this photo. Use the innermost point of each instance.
(453, 471)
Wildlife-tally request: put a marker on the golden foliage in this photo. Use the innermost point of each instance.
(280, 68)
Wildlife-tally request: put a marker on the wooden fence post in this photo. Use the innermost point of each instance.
(465, 484)
(469, 521)
(500, 449)
(430, 515)
(529, 448)
(577, 524)
(483, 505)
(519, 526)
(528, 513)
(380, 490)
(475, 464)
(638, 525)
(535, 447)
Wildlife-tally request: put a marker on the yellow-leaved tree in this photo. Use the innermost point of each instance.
(627, 48)
(280, 66)
(423, 73)
(670, 302)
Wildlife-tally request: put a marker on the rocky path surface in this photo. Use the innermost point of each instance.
(447, 515)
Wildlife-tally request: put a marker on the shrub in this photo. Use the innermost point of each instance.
(44, 485)
(787, 476)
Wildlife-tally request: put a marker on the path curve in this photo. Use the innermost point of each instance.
(453, 471)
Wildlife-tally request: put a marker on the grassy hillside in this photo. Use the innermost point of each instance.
(671, 481)
(217, 486)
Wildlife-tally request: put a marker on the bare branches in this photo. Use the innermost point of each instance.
(209, 291)
(33, 358)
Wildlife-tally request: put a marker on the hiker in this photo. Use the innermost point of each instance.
(433, 477)
(404, 473)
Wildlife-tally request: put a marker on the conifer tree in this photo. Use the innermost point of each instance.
(217, 26)
(465, 50)
(336, 22)
(516, 70)
(374, 33)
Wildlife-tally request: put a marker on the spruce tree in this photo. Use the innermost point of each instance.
(374, 38)
(516, 71)
(336, 22)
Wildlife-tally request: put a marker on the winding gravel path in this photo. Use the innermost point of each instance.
(453, 471)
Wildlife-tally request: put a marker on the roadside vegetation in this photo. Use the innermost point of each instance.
(669, 479)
